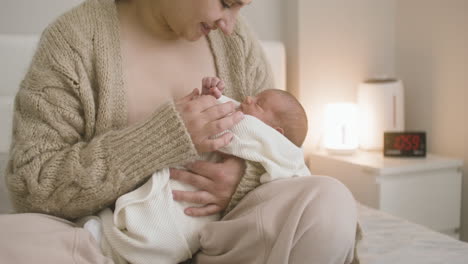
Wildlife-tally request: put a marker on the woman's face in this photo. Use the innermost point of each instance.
(192, 19)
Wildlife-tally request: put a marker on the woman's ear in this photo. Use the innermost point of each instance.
(279, 129)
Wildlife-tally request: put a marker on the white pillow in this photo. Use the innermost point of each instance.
(16, 52)
(6, 119)
(276, 56)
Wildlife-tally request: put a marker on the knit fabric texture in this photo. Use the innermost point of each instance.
(72, 153)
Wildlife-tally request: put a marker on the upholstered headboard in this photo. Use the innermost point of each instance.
(276, 55)
(16, 52)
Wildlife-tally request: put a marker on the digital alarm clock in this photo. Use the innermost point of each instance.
(405, 144)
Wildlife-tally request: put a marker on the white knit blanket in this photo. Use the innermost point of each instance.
(148, 226)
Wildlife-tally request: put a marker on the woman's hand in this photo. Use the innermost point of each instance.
(205, 118)
(216, 182)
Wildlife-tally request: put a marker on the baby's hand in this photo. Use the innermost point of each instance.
(212, 86)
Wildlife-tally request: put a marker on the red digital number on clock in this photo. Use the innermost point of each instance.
(407, 142)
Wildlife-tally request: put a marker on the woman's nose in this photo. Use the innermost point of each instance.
(226, 27)
(228, 21)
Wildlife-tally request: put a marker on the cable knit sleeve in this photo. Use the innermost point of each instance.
(59, 163)
(258, 77)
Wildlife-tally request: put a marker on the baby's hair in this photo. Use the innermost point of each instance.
(293, 120)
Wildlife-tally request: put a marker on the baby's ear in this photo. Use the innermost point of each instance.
(279, 129)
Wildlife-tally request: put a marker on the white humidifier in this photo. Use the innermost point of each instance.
(381, 109)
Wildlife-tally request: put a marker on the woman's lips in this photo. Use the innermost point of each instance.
(205, 28)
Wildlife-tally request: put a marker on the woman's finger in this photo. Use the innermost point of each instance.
(192, 105)
(209, 209)
(203, 103)
(195, 92)
(218, 126)
(218, 111)
(209, 145)
(203, 167)
(192, 179)
(197, 197)
(217, 172)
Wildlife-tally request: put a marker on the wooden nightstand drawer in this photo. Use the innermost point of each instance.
(426, 191)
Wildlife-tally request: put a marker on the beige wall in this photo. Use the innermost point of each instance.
(28, 16)
(268, 18)
(341, 43)
(432, 59)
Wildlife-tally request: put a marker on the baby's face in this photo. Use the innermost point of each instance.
(262, 106)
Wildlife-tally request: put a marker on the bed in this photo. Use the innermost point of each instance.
(391, 240)
(387, 239)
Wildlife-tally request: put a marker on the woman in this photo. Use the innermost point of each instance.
(94, 118)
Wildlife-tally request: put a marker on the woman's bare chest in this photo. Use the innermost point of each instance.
(154, 77)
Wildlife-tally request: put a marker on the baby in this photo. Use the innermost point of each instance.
(276, 108)
(148, 226)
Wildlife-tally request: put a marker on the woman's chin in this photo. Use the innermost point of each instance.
(193, 36)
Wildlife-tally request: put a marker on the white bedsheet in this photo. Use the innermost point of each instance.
(391, 240)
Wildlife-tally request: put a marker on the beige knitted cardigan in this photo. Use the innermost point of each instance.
(72, 152)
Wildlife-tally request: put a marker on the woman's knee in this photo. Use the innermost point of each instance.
(328, 190)
(334, 193)
(331, 210)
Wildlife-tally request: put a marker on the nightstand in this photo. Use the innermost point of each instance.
(426, 191)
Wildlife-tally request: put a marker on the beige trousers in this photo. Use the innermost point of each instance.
(299, 220)
(38, 238)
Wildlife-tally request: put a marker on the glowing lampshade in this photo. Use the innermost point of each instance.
(341, 128)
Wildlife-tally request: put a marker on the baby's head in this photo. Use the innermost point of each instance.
(280, 110)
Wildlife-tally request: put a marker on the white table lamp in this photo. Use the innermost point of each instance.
(341, 128)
